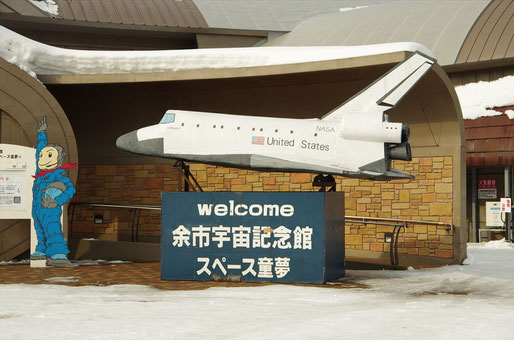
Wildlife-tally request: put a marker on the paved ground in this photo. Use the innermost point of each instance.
(114, 274)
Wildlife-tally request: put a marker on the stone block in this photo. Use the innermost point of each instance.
(141, 173)
(363, 200)
(423, 252)
(301, 178)
(83, 227)
(425, 161)
(353, 239)
(269, 181)
(114, 185)
(242, 187)
(215, 180)
(153, 183)
(444, 253)
(376, 247)
(401, 205)
(106, 170)
(440, 209)
(388, 195)
(384, 229)
(404, 195)
(253, 178)
(350, 203)
(447, 173)
(434, 175)
(420, 229)
(427, 198)
(443, 188)
(413, 251)
(351, 182)
(356, 194)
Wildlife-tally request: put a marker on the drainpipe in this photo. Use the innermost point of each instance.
(474, 203)
(508, 217)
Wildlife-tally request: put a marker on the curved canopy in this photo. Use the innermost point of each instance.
(28, 101)
(442, 26)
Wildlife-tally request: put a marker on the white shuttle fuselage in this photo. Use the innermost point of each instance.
(354, 140)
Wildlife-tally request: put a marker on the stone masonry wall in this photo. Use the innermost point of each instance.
(123, 185)
(428, 197)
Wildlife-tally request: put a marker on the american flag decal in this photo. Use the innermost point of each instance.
(258, 140)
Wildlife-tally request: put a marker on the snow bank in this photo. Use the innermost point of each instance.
(37, 58)
(346, 9)
(62, 279)
(48, 6)
(477, 99)
(7, 263)
(474, 301)
(498, 244)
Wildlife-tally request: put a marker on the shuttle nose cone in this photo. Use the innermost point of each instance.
(128, 142)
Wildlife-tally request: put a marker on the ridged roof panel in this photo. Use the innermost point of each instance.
(492, 35)
(270, 15)
(442, 26)
(160, 13)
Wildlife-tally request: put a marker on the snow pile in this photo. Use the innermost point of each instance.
(346, 9)
(36, 58)
(98, 262)
(7, 263)
(48, 6)
(474, 301)
(63, 279)
(477, 99)
(498, 244)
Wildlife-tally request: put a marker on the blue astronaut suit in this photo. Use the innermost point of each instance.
(47, 221)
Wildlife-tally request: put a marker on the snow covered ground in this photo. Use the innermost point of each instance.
(473, 301)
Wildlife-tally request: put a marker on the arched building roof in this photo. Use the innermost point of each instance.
(492, 35)
(455, 31)
(277, 15)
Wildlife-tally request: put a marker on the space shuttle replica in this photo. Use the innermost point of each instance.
(354, 140)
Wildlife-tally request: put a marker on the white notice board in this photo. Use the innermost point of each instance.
(17, 166)
(493, 215)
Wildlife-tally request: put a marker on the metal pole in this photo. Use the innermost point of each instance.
(507, 194)
(474, 203)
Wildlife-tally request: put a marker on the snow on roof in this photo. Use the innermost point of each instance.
(47, 6)
(39, 59)
(478, 99)
(346, 9)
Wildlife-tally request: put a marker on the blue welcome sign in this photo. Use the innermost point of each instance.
(253, 237)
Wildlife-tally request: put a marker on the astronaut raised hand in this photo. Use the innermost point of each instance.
(41, 125)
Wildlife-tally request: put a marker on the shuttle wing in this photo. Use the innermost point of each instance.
(388, 90)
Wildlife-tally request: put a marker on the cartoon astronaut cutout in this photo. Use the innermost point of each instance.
(51, 190)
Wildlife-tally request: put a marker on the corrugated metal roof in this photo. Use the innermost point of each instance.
(161, 13)
(490, 140)
(273, 15)
(442, 26)
(492, 35)
(20, 7)
(164, 13)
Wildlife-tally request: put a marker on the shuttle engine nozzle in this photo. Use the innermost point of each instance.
(400, 151)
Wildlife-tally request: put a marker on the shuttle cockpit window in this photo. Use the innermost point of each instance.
(167, 118)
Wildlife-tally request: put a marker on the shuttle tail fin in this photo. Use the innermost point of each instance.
(388, 90)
